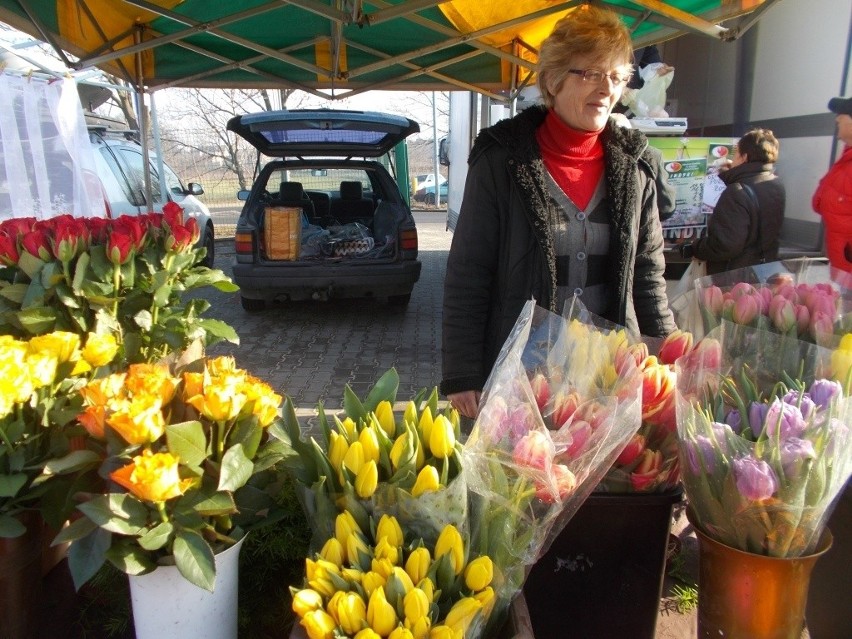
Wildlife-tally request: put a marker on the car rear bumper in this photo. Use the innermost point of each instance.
(299, 282)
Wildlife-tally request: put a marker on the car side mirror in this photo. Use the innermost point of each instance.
(195, 188)
(243, 195)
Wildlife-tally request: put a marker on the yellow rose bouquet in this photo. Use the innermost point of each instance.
(382, 581)
(39, 382)
(181, 452)
(373, 461)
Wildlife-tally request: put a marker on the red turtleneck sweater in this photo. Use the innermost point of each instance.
(574, 158)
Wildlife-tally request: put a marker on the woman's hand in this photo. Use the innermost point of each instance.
(466, 403)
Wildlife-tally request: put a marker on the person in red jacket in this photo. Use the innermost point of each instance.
(833, 197)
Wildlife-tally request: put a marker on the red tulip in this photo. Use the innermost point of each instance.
(541, 390)
(99, 228)
(565, 482)
(647, 471)
(634, 448)
(533, 450)
(564, 407)
(179, 240)
(37, 244)
(675, 345)
(708, 352)
(173, 214)
(119, 247)
(132, 227)
(579, 432)
(9, 254)
(71, 237)
(17, 226)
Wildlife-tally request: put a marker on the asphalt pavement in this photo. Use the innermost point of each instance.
(311, 350)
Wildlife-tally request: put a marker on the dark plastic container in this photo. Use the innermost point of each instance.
(603, 575)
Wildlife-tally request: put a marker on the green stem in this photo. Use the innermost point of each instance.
(164, 516)
(116, 283)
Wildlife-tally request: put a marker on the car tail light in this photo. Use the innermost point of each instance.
(244, 243)
(408, 239)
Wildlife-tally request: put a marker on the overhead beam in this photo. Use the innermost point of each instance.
(688, 20)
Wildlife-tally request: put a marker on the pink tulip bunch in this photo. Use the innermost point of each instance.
(810, 312)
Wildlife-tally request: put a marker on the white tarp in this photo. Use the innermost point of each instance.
(47, 166)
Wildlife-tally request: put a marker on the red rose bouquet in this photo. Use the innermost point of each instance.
(128, 276)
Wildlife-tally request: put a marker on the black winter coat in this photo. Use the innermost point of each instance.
(739, 233)
(502, 252)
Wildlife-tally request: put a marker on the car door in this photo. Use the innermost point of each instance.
(118, 191)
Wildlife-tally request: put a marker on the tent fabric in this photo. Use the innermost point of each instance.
(343, 45)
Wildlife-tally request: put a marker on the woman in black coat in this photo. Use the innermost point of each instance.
(559, 201)
(745, 226)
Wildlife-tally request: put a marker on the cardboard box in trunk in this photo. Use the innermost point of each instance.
(282, 232)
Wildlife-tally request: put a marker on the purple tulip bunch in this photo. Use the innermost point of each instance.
(762, 469)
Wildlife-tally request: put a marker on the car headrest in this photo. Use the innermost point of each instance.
(351, 190)
(291, 191)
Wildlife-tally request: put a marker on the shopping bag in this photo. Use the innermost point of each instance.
(684, 303)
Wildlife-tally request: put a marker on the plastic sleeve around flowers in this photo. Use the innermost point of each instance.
(527, 476)
(764, 442)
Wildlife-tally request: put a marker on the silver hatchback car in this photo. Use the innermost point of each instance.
(324, 218)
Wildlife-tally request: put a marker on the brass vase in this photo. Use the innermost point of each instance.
(742, 595)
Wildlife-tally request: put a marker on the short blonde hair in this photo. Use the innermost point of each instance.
(588, 30)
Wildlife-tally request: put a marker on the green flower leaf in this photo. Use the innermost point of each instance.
(87, 555)
(37, 320)
(11, 484)
(11, 527)
(75, 531)
(384, 389)
(30, 264)
(219, 329)
(236, 468)
(14, 292)
(206, 503)
(188, 441)
(72, 462)
(194, 559)
(129, 558)
(247, 432)
(157, 537)
(118, 513)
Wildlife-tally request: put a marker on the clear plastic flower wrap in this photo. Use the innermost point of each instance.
(765, 449)
(803, 298)
(528, 470)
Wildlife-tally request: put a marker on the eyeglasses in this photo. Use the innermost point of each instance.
(593, 75)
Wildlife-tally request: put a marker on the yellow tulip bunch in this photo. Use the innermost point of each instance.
(182, 445)
(418, 452)
(372, 454)
(368, 583)
(841, 363)
(39, 380)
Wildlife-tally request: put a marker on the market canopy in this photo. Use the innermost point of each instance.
(348, 46)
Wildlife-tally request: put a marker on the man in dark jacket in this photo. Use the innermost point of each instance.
(745, 226)
(503, 250)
